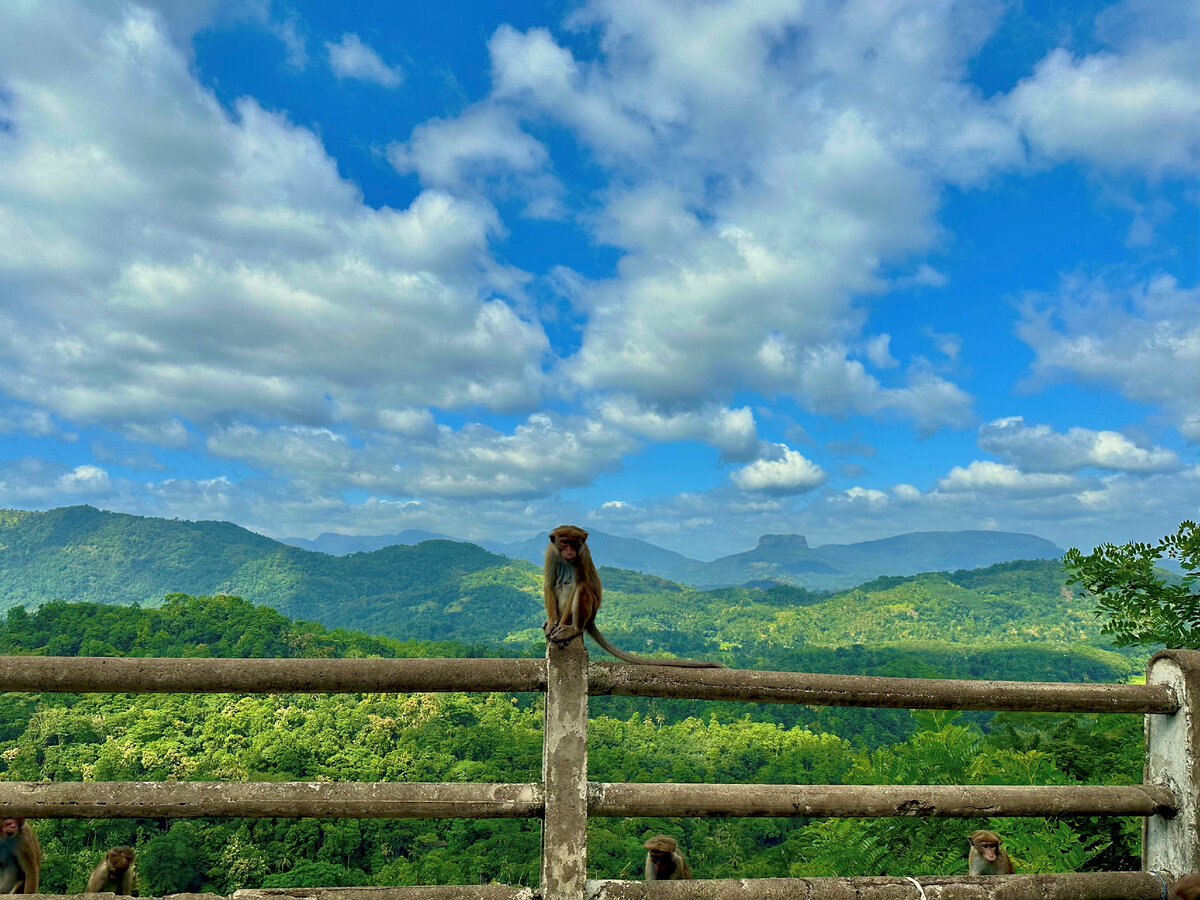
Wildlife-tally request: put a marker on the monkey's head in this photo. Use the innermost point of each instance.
(119, 857)
(987, 843)
(569, 540)
(11, 826)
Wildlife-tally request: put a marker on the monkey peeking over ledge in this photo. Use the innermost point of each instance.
(664, 862)
(572, 589)
(20, 858)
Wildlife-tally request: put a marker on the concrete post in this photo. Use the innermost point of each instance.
(1172, 844)
(564, 773)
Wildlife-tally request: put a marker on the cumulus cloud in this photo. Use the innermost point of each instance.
(787, 472)
(34, 422)
(1037, 448)
(1143, 339)
(481, 150)
(540, 457)
(351, 58)
(164, 258)
(983, 475)
(1132, 105)
(732, 431)
(30, 482)
(760, 180)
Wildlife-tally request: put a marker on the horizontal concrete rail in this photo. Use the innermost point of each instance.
(872, 691)
(97, 674)
(404, 892)
(319, 799)
(1067, 886)
(606, 799)
(1074, 886)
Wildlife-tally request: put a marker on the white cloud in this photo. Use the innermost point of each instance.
(162, 259)
(1138, 109)
(36, 483)
(788, 472)
(1038, 448)
(351, 58)
(1143, 339)
(879, 352)
(539, 458)
(983, 475)
(482, 150)
(33, 422)
(732, 431)
(758, 183)
(868, 496)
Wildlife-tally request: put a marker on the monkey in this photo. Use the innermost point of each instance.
(664, 862)
(1185, 888)
(986, 857)
(20, 858)
(116, 873)
(572, 590)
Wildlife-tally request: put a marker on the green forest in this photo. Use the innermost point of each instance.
(497, 738)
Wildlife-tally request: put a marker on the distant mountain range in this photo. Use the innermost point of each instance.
(778, 558)
(441, 590)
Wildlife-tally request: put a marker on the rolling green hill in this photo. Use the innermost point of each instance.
(965, 623)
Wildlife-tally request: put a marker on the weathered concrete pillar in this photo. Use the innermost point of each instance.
(1173, 761)
(564, 772)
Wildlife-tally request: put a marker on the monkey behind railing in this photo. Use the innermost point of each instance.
(572, 591)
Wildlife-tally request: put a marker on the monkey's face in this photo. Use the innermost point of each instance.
(661, 859)
(119, 859)
(987, 843)
(9, 827)
(568, 541)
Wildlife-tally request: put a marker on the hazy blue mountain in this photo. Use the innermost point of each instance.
(343, 544)
(607, 550)
(787, 558)
(936, 551)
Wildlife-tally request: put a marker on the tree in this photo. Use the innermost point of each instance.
(1141, 605)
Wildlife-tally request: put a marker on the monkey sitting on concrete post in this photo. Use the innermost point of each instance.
(572, 592)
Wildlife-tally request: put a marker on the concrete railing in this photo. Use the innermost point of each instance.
(1167, 798)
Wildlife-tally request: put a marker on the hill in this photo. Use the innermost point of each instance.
(344, 544)
(435, 590)
(778, 558)
(788, 559)
(443, 590)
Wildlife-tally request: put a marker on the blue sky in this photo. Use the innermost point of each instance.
(688, 272)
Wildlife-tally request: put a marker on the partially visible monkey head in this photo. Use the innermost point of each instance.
(1185, 888)
(119, 858)
(987, 843)
(662, 843)
(10, 826)
(569, 541)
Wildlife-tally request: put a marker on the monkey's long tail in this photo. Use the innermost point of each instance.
(648, 660)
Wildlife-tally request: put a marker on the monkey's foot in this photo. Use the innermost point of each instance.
(563, 635)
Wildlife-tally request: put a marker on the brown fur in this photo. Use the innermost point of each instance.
(572, 591)
(1185, 888)
(664, 862)
(116, 873)
(986, 856)
(24, 873)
